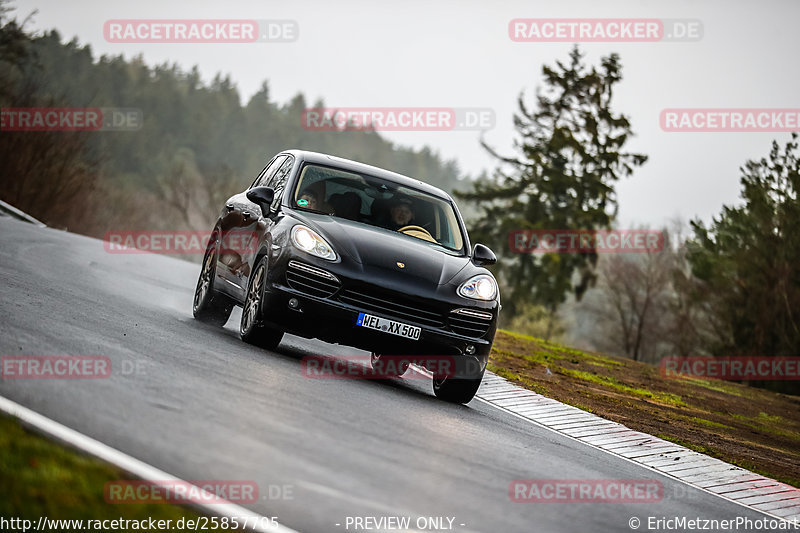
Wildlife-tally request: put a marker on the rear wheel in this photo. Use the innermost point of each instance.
(389, 366)
(209, 305)
(457, 390)
(252, 328)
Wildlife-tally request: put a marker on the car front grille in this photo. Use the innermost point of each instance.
(392, 305)
(311, 280)
(470, 323)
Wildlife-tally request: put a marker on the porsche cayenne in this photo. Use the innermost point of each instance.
(323, 247)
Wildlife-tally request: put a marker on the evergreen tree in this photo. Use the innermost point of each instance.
(192, 133)
(748, 261)
(569, 155)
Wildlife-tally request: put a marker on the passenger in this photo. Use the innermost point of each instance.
(401, 213)
(308, 199)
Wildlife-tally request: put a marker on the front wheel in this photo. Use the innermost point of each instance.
(252, 328)
(209, 305)
(457, 390)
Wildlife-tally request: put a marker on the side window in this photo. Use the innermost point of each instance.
(278, 181)
(263, 170)
(268, 172)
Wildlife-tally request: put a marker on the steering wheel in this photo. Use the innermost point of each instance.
(417, 231)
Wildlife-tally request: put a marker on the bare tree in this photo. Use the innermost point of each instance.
(688, 322)
(179, 187)
(49, 174)
(217, 185)
(630, 304)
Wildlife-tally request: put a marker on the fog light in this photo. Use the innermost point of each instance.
(470, 349)
(293, 303)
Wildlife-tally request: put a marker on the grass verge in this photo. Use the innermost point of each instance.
(39, 477)
(752, 428)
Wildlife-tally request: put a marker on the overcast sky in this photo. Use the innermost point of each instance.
(459, 54)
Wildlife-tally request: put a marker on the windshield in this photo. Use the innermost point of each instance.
(378, 202)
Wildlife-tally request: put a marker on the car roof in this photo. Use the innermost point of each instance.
(355, 166)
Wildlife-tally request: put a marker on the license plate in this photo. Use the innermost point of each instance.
(388, 326)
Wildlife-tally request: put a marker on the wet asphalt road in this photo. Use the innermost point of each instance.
(203, 405)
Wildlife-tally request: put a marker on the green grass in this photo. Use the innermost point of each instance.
(772, 419)
(521, 336)
(694, 447)
(580, 406)
(513, 376)
(731, 415)
(709, 423)
(561, 351)
(661, 397)
(553, 354)
(724, 387)
(43, 478)
(771, 424)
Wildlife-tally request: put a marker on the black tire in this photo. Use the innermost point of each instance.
(388, 366)
(457, 390)
(252, 328)
(210, 306)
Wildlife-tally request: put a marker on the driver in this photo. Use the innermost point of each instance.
(401, 212)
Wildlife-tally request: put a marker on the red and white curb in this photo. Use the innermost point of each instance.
(695, 469)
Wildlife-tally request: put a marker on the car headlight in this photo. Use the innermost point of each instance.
(480, 287)
(310, 242)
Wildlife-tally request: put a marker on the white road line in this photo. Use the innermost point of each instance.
(12, 211)
(133, 466)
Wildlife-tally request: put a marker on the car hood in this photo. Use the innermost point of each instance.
(382, 249)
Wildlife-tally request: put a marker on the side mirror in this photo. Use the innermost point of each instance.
(262, 197)
(482, 255)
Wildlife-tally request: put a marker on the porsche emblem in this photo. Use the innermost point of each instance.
(401, 265)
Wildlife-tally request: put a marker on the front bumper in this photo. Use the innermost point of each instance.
(332, 317)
